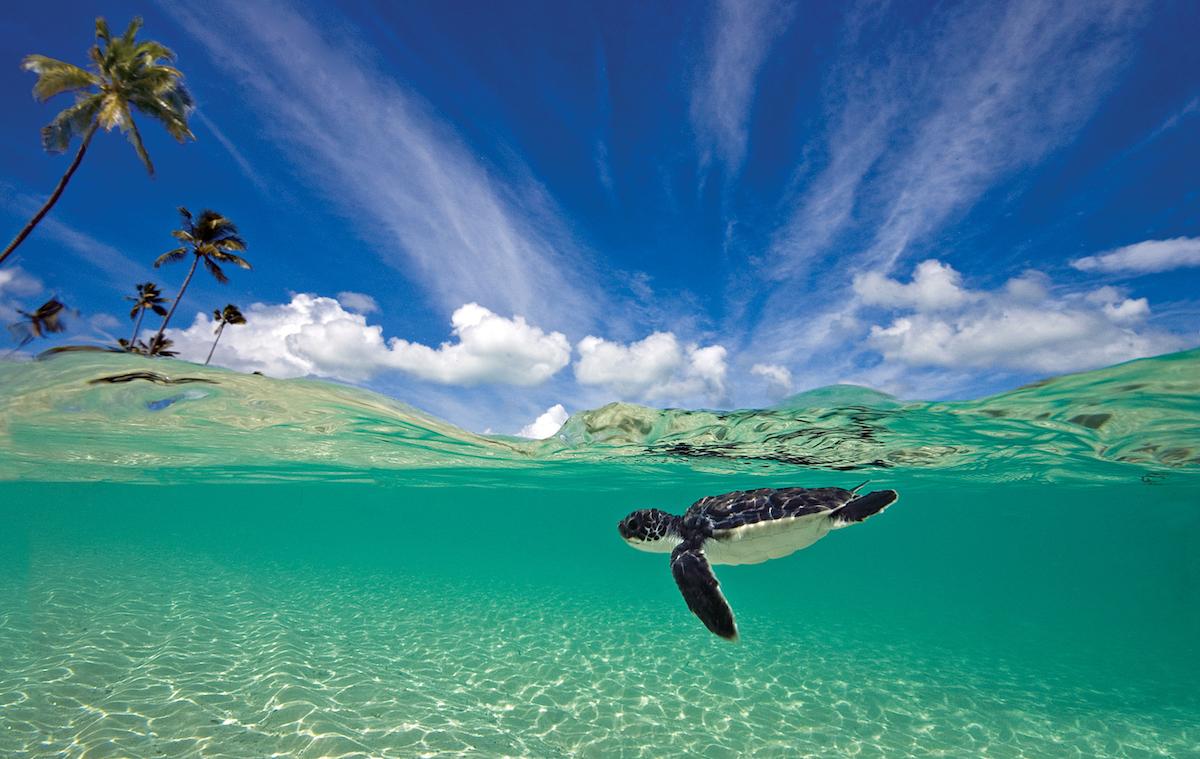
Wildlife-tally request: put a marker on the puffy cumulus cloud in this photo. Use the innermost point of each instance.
(1023, 326)
(1145, 257)
(657, 367)
(315, 335)
(934, 286)
(491, 348)
(778, 378)
(281, 340)
(360, 302)
(550, 422)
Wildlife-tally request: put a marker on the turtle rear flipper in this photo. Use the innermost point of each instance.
(701, 590)
(864, 506)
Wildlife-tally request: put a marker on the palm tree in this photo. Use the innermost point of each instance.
(45, 320)
(158, 346)
(125, 74)
(148, 297)
(211, 238)
(230, 315)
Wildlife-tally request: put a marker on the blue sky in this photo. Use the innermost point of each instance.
(671, 203)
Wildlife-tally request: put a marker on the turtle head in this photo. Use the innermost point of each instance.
(650, 530)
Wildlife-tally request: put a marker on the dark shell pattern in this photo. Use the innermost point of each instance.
(746, 507)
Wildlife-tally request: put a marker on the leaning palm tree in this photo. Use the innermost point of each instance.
(125, 75)
(230, 315)
(148, 297)
(212, 238)
(46, 319)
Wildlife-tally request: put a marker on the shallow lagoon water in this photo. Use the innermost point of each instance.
(260, 567)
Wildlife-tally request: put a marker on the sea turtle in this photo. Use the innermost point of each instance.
(743, 527)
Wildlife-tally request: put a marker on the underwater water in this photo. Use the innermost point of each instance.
(195, 562)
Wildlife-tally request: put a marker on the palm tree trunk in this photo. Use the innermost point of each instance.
(179, 297)
(137, 327)
(62, 185)
(213, 349)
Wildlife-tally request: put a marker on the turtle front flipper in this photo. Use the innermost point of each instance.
(701, 590)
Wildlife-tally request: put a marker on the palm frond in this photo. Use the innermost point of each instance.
(46, 319)
(102, 32)
(135, 137)
(171, 109)
(70, 123)
(170, 256)
(20, 332)
(215, 270)
(158, 309)
(152, 51)
(229, 258)
(56, 77)
(131, 31)
(230, 242)
(113, 112)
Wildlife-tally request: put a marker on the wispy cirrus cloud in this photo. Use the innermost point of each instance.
(119, 268)
(742, 33)
(247, 169)
(924, 133)
(919, 135)
(381, 153)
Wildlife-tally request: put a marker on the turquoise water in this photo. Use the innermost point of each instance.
(251, 567)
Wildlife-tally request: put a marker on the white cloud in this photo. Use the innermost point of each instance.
(16, 283)
(934, 286)
(360, 302)
(1022, 326)
(550, 422)
(314, 335)
(491, 348)
(778, 378)
(924, 121)
(657, 367)
(743, 31)
(1145, 257)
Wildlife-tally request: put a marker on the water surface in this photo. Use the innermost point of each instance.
(246, 567)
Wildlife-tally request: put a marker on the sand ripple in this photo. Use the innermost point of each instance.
(154, 656)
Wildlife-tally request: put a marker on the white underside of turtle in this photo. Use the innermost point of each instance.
(756, 543)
